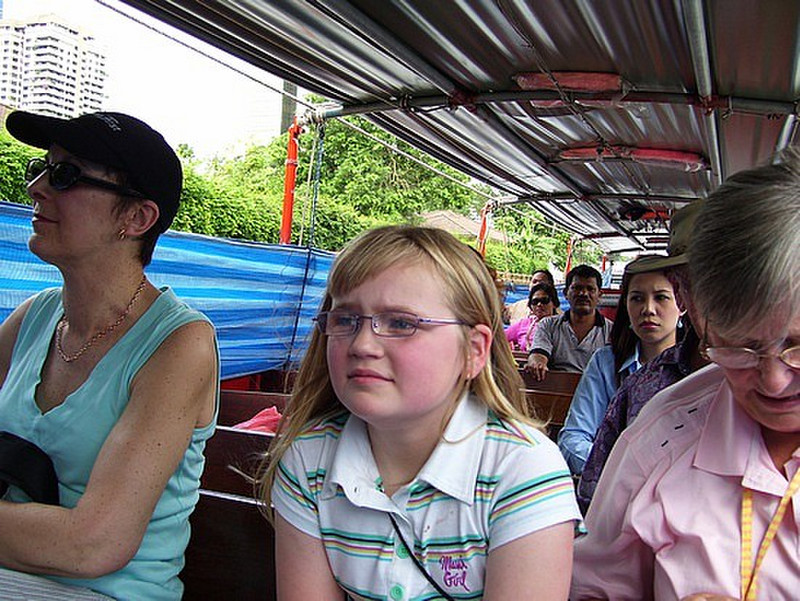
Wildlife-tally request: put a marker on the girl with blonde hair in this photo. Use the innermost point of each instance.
(407, 464)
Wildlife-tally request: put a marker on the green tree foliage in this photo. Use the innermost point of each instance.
(334, 224)
(532, 243)
(230, 198)
(361, 184)
(14, 156)
(370, 177)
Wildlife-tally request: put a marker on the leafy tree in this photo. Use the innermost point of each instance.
(14, 156)
(259, 171)
(216, 207)
(533, 243)
(375, 180)
(195, 213)
(335, 223)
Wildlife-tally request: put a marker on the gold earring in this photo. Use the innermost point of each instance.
(468, 371)
(121, 234)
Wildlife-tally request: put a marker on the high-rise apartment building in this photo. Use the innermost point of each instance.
(50, 67)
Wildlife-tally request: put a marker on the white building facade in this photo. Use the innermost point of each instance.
(50, 67)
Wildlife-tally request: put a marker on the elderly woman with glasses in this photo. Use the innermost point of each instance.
(112, 379)
(699, 499)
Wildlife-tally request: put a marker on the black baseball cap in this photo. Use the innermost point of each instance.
(113, 140)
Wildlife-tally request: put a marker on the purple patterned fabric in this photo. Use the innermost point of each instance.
(669, 367)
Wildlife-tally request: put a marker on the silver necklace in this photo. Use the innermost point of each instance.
(62, 323)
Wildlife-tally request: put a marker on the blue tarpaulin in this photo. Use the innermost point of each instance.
(260, 297)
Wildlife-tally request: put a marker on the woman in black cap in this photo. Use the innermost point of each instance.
(115, 379)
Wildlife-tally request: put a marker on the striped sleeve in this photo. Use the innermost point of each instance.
(301, 475)
(534, 491)
(292, 497)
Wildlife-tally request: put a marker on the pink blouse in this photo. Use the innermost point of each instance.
(520, 333)
(665, 519)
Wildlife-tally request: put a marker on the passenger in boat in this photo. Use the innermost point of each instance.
(700, 494)
(114, 379)
(646, 323)
(567, 342)
(520, 310)
(407, 465)
(542, 301)
(669, 367)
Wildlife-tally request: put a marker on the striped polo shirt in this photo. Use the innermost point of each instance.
(488, 482)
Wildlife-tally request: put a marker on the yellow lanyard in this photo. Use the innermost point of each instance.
(749, 573)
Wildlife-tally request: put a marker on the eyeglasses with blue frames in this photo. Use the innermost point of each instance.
(64, 175)
(391, 324)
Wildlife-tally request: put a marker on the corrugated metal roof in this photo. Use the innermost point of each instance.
(715, 78)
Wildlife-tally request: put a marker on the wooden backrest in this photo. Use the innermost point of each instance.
(236, 406)
(231, 549)
(231, 553)
(277, 380)
(521, 357)
(229, 447)
(550, 399)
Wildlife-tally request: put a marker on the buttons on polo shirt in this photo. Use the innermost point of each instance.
(402, 551)
(397, 592)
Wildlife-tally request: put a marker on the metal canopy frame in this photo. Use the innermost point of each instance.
(718, 79)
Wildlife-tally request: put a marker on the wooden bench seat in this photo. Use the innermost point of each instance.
(521, 357)
(231, 553)
(231, 549)
(549, 400)
(236, 406)
(241, 449)
(278, 380)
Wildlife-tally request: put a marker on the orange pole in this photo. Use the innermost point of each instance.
(482, 233)
(569, 256)
(289, 183)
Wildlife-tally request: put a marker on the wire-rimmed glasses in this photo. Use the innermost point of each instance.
(389, 324)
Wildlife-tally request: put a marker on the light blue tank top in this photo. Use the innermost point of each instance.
(73, 433)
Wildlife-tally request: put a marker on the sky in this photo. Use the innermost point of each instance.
(189, 98)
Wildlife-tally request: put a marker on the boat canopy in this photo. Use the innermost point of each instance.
(605, 116)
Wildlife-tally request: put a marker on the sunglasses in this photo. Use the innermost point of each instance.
(539, 301)
(63, 175)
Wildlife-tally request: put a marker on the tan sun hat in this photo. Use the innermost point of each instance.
(680, 234)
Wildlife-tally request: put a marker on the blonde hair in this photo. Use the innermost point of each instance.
(470, 292)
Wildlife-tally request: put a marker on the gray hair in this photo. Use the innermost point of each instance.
(745, 251)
